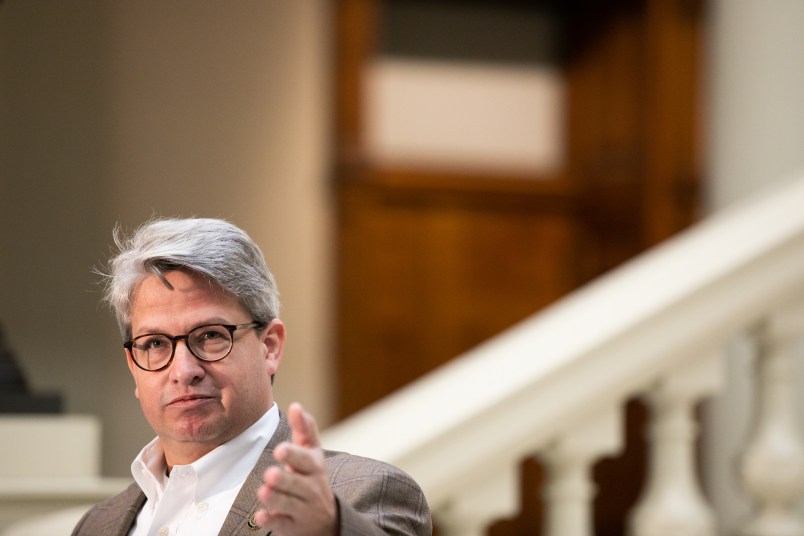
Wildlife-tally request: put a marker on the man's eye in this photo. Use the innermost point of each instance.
(151, 343)
(210, 335)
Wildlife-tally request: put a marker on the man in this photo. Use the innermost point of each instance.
(198, 309)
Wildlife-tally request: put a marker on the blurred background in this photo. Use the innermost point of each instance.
(420, 174)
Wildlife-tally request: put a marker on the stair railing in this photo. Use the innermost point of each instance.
(554, 386)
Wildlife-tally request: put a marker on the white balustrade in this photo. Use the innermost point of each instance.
(492, 494)
(673, 504)
(645, 323)
(570, 489)
(772, 466)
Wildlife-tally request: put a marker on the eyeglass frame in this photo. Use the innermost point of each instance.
(231, 328)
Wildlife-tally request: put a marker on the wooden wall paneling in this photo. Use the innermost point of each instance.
(606, 96)
(673, 43)
(355, 39)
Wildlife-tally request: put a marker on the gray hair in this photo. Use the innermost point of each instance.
(214, 248)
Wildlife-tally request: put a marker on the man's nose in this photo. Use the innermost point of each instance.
(186, 368)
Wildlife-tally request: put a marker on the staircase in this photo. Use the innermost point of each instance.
(555, 385)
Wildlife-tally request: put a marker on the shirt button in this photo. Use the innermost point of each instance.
(202, 507)
(164, 531)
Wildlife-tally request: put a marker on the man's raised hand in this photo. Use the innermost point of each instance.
(297, 499)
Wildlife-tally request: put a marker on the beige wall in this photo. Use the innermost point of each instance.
(114, 111)
(756, 134)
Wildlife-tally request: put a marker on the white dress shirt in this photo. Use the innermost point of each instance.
(196, 498)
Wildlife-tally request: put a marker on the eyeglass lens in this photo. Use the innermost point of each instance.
(209, 343)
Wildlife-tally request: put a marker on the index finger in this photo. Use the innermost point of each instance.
(304, 431)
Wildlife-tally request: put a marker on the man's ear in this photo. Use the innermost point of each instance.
(273, 338)
(132, 368)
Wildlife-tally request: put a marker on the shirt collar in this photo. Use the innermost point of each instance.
(229, 464)
(220, 469)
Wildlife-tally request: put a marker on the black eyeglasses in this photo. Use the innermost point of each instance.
(210, 342)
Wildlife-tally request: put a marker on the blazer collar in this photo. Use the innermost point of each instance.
(132, 500)
(240, 519)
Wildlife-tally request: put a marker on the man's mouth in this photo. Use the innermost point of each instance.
(189, 400)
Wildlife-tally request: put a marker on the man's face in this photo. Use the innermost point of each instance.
(195, 406)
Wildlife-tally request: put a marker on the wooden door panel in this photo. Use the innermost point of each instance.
(424, 278)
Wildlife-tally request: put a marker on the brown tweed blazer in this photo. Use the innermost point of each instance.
(373, 499)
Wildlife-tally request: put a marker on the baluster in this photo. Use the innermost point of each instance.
(673, 504)
(570, 489)
(491, 494)
(772, 467)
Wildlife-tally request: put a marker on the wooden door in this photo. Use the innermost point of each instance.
(432, 262)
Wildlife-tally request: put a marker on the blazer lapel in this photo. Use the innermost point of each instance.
(115, 517)
(240, 520)
(128, 517)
